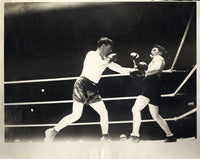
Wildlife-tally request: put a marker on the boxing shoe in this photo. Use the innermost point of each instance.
(50, 135)
(170, 139)
(134, 139)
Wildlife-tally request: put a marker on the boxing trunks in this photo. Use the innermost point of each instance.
(152, 89)
(85, 91)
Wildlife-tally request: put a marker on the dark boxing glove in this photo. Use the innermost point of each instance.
(112, 57)
(137, 73)
(142, 66)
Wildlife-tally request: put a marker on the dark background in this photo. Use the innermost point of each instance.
(43, 42)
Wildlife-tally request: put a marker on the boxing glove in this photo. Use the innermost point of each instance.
(112, 57)
(142, 66)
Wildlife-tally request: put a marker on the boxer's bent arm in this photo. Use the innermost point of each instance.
(156, 68)
(123, 70)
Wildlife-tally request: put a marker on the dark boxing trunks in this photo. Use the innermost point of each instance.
(152, 89)
(85, 91)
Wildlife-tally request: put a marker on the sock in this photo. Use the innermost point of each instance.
(170, 135)
(138, 135)
(55, 130)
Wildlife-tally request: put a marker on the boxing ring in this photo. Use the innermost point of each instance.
(170, 95)
(104, 99)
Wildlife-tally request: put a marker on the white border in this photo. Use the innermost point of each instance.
(198, 71)
(1, 71)
(23, 152)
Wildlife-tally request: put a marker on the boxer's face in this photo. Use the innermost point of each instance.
(107, 49)
(155, 52)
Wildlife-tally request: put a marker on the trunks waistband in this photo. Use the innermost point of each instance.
(86, 79)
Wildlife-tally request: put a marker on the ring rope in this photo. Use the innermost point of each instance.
(105, 99)
(110, 122)
(74, 78)
(181, 85)
(185, 80)
(182, 41)
(71, 101)
(67, 101)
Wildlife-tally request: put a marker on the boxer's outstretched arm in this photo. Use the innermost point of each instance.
(123, 70)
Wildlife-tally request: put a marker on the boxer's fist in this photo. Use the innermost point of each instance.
(142, 66)
(112, 57)
(134, 56)
(137, 73)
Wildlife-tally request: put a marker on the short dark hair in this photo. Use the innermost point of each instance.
(104, 40)
(161, 49)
